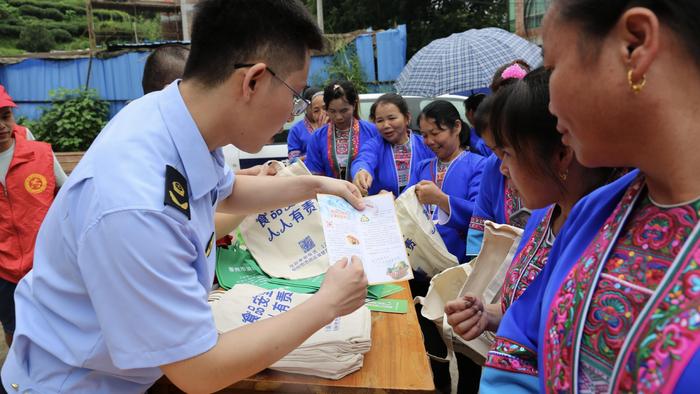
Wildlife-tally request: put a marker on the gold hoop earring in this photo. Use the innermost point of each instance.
(636, 86)
(564, 175)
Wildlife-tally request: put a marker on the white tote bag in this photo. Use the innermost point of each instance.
(425, 248)
(501, 241)
(288, 242)
(333, 352)
(483, 276)
(245, 304)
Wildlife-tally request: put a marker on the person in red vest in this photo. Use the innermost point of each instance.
(28, 184)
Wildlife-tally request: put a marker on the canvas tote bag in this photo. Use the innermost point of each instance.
(483, 276)
(333, 352)
(288, 242)
(501, 242)
(425, 248)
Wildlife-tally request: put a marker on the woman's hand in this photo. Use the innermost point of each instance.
(321, 119)
(387, 192)
(469, 318)
(429, 193)
(363, 181)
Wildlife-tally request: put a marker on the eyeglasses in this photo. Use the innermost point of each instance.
(299, 104)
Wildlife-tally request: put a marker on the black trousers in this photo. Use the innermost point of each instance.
(469, 371)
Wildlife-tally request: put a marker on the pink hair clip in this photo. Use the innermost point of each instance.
(514, 71)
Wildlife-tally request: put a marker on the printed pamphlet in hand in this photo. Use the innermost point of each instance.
(373, 235)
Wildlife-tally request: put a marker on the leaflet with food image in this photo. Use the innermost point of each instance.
(372, 234)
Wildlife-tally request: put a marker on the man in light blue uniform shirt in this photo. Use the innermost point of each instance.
(125, 257)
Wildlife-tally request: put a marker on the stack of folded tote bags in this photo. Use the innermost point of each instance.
(333, 352)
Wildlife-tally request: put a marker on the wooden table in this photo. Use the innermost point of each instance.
(397, 363)
(68, 160)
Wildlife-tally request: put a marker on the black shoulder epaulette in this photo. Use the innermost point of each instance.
(176, 191)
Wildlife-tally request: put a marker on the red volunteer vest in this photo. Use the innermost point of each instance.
(20, 131)
(30, 190)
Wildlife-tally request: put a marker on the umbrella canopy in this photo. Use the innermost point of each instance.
(463, 61)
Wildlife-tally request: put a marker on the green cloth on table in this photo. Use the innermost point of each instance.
(235, 265)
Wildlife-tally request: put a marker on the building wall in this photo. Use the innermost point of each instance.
(526, 18)
(171, 26)
(171, 23)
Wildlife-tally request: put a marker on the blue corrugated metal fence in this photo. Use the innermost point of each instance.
(118, 79)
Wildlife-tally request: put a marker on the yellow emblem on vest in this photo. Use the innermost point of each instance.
(35, 183)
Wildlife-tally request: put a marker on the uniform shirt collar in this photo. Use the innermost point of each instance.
(202, 167)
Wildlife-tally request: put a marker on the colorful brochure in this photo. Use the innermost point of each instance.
(373, 235)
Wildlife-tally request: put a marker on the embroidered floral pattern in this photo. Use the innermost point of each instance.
(664, 334)
(477, 223)
(441, 172)
(669, 335)
(438, 172)
(308, 126)
(527, 264)
(342, 146)
(646, 249)
(515, 212)
(338, 147)
(511, 356)
(642, 255)
(610, 319)
(402, 161)
(567, 305)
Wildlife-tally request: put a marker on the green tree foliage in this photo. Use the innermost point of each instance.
(7, 11)
(346, 66)
(61, 35)
(67, 24)
(41, 13)
(77, 6)
(36, 38)
(73, 121)
(426, 20)
(10, 31)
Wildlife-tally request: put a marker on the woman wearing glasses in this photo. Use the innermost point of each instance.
(334, 146)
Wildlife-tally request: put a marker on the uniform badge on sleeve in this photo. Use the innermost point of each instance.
(210, 245)
(176, 191)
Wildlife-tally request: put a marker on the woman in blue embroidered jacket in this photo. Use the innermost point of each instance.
(619, 310)
(548, 179)
(476, 144)
(386, 163)
(448, 183)
(332, 148)
(315, 117)
(497, 200)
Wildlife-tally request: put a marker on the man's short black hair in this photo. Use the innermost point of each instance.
(227, 32)
(473, 101)
(164, 65)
